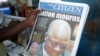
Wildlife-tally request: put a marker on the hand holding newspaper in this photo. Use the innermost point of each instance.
(58, 28)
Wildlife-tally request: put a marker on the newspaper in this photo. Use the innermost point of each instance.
(58, 28)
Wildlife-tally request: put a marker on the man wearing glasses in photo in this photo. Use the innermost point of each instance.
(56, 39)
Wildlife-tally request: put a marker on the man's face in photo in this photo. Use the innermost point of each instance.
(57, 37)
(55, 44)
(33, 48)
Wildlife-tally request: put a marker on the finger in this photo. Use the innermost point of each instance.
(36, 11)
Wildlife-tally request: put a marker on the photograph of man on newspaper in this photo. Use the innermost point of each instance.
(56, 39)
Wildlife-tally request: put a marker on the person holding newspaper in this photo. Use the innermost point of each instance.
(15, 27)
(56, 39)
